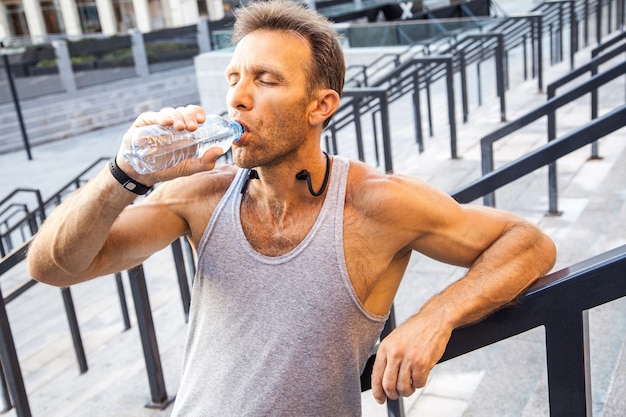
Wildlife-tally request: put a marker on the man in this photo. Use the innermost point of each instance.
(300, 255)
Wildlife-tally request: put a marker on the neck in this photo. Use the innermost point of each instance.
(284, 183)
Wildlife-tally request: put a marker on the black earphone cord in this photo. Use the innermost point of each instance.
(302, 175)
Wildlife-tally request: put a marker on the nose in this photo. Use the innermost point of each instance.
(239, 96)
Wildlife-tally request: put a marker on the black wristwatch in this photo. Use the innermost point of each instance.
(126, 181)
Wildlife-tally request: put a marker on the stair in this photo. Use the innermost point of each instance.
(61, 116)
(509, 379)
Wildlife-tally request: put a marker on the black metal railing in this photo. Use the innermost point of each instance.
(545, 110)
(16, 227)
(559, 302)
(493, 42)
(13, 392)
(542, 156)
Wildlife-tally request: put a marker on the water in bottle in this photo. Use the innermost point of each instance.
(155, 147)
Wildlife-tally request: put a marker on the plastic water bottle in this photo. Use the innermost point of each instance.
(155, 147)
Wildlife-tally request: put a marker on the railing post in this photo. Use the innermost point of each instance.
(560, 34)
(451, 111)
(122, 296)
(356, 112)
(429, 101)
(5, 399)
(386, 130)
(463, 74)
(417, 112)
(573, 34)
(553, 208)
(586, 23)
(594, 112)
(181, 273)
(74, 329)
(539, 57)
(159, 397)
(486, 151)
(599, 22)
(568, 362)
(16, 101)
(500, 75)
(11, 365)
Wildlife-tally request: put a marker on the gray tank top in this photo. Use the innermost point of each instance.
(275, 336)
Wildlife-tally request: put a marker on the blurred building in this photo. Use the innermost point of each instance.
(40, 20)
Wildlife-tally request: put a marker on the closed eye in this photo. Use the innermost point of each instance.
(232, 79)
(269, 77)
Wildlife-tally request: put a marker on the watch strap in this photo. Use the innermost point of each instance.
(126, 181)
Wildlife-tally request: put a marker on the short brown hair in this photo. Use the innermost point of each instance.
(329, 68)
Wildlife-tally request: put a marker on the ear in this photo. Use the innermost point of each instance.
(324, 104)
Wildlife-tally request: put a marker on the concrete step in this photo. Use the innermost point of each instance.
(60, 116)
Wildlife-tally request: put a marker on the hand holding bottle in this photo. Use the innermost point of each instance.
(159, 141)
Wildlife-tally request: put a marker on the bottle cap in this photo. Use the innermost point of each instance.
(237, 129)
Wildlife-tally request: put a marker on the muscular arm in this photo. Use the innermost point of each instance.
(96, 232)
(504, 255)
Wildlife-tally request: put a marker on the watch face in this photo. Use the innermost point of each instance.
(130, 185)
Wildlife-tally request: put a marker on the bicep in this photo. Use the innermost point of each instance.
(138, 232)
(458, 234)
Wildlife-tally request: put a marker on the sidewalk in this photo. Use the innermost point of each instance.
(55, 164)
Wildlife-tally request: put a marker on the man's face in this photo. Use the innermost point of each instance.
(268, 93)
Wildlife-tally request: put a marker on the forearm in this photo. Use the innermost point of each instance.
(67, 245)
(499, 275)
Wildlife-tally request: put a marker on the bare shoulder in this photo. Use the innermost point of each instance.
(374, 193)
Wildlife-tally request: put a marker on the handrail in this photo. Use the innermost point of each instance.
(17, 395)
(486, 143)
(542, 156)
(555, 301)
(558, 302)
(34, 217)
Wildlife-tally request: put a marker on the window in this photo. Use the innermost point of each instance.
(124, 15)
(88, 13)
(52, 17)
(203, 9)
(16, 19)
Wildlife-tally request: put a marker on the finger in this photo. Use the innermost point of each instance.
(153, 117)
(418, 379)
(204, 163)
(404, 385)
(390, 378)
(198, 112)
(378, 370)
(189, 117)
